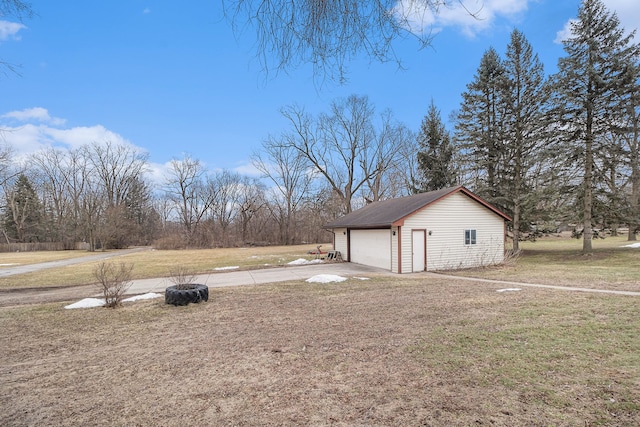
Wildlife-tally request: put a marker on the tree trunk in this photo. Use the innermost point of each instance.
(635, 205)
(635, 188)
(587, 234)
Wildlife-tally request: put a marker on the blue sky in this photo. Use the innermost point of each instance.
(174, 79)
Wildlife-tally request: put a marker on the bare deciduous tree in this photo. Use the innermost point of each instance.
(385, 156)
(344, 147)
(224, 190)
(288, 169)
(17, 9)
(117, 166)
(328, 34)
(251, 201)
(63, 181)
(185, 187)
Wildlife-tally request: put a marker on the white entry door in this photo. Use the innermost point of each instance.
(419, 250)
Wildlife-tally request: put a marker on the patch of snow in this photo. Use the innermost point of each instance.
(233, 267)
(99, 302)
(86, 303)
(509, 290)
(6, 265)
(149, 295)
(326, 278)
(632, 245)
(302, 261)
(362, 278)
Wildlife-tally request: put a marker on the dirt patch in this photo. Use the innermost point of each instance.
(378, 352)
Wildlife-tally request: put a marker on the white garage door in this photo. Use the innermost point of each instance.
(371, 247)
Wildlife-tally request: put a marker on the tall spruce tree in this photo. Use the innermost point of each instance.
(631, 136)
(435, 158)
(586, 86)
(525, 96)
(626, 135)
(479, 128)
(23, 211)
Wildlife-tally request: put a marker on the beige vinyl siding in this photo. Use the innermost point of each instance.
(394, 248)
(447, 221)
(340, 241)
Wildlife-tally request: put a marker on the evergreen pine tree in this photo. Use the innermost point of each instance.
(23, 211)
(479, 128)
(435, 158)
(585, 88)
(525, 97)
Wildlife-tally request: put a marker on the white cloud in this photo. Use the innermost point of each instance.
(247, 169)
(470, 16)
(9, 30)
(38, 114)
(36, 130)
(628, 12)
(78, 136)
(25, 139)
(158, 173)
(564, 33)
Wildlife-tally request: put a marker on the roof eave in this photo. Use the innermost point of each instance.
(360, 226)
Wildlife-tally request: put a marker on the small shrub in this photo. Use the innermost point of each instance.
(182, 277)
(511, 256)
(114, 281)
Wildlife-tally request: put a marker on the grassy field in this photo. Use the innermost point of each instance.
(559, 261)
(148, 264)
(389, 351)
(11, 259)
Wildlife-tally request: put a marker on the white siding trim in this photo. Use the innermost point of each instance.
(340, 241)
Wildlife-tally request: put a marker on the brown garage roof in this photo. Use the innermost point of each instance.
(392, 212)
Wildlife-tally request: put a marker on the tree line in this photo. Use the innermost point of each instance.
(101, 194)
(547, 150)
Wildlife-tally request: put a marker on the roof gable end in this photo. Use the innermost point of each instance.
(393, 212)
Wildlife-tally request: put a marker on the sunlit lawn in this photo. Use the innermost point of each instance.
(153, 263)
(559, 261)
(389, 351)
(12, 259)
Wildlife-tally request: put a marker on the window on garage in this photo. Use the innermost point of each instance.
(470, 237)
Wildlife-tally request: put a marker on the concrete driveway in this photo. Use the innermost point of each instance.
(267, 275)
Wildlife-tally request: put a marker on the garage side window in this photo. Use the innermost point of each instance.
(469, 237)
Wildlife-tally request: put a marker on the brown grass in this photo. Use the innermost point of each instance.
(153, 263)
(387, 352)
(556, 261)
(11, 259)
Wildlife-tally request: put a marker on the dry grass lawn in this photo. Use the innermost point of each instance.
(10, 259)
(148, 264)
(390, 351)
(387, 352)
(559, 261)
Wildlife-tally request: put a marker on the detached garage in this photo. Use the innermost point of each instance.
(446, 229)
